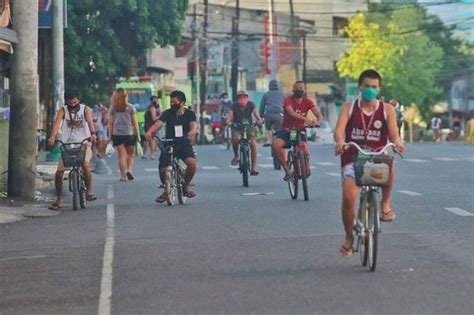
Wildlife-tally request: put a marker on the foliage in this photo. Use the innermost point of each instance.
(396, 43)
(106, 39)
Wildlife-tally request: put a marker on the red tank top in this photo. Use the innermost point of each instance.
(365, 130)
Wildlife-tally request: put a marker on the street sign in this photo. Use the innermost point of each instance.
(45, 13)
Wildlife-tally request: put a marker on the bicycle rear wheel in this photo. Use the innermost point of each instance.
(74, 178)
(82, 190)
(244, 164)
(373, 230)
(292, 184)
(304, 179)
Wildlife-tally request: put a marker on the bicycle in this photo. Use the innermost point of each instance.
(276, 162)
(174, 176)
(298, 162)
(372, 171)
(244, 151)
(73, 155)
(228, 137)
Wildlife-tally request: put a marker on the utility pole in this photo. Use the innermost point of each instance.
(24, 93)
(294, 39)
(304, 60)
(234, 74)
(273, 52)
(58, 54)
(203, 74)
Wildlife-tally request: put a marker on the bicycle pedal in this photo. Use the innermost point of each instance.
(161, 186)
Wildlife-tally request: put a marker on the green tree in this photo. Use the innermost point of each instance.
(394, 43)
(108, 39)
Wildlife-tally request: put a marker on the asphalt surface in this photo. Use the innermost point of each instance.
(228, 252)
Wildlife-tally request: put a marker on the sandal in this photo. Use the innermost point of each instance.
(188, 193)
(345, 251)
(123, 179)
(130, 176)
(387, 216)
(267, 144)
(254, 173)
(162, 198)
(234, 161)
(288, 178)
(55, 206)
(91, 197)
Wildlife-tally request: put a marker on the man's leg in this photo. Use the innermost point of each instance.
(278, 149)
(87, 178)
(253, 153)
(349, 197)
(190, 170)
(269, 135)
(58, 184)
(235, 145)
(387, 213)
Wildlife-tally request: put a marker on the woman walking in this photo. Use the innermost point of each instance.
(123, 132)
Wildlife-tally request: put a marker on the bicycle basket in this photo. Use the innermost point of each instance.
(373, 170)
(73, 156)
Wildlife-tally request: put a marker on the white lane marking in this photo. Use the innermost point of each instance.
(409, 193)
(265, 165)
(415, 160)
(325, 163)
(256, 193)
(105, 297)
(469, 159)
(110, 193)
(209, 167)
(446, 159)
(460, 212)
(233, 166)
(23, 257)
(151, 169)
(334, 174)
(222, 146)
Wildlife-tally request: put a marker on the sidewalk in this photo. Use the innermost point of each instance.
(12, 211)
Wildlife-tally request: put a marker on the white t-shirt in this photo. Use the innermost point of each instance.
(74, 127)
(435, 123)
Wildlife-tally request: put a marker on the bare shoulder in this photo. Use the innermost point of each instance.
(388, 108)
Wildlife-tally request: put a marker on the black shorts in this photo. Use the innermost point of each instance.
(181, 150)
(128, 141)
(284, 135)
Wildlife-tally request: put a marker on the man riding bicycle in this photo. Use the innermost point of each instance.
(181, 126)
(295, 116)
(370, 123)
(239, 112)
(76, 123)
(271, 108)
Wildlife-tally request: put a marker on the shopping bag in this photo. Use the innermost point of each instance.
(109, 150)
(138, 149)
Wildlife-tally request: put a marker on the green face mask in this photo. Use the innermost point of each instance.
(369, 94)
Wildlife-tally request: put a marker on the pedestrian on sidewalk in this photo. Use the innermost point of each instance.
(435, 128)
(123, 132)
(99, 146)
(470, 131)
(75, 121)
(151, 116)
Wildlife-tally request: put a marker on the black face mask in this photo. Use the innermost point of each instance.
(175, 106)
(298, 94)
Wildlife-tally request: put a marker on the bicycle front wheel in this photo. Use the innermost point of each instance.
(304, 179)
(292, 184)
(244, 164)
(180, 185)
(74, 177)
(170, 187)
(373, 220)
(362, 240)
(82, 190)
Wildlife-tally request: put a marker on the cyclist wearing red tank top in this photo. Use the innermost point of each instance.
(372, 123)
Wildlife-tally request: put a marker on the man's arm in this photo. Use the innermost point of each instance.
(262, 106)
(339, 131)
(392, 127)
(230, 117)
(317, 113)
(155, 127)
(192, 130)
(90, 123)
(154, 117)
(56, 126)
(257, 117)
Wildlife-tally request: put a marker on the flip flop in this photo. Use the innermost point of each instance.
(254, 173)
(267, 144)
(188, 193)
(130, 176)
(234, 161)
(91, 197)
(162, 198)
(345, 251)
(55, 206)
(387, 216)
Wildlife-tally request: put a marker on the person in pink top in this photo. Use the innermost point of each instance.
(370, 123)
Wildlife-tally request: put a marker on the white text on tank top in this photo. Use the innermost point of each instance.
(75, 127)
(367, 133)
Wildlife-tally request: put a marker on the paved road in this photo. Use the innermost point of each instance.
(229, 253)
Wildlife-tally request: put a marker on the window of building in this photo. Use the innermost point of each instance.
(338, 25)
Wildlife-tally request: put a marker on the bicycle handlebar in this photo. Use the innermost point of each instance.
(83, 141)
(376, 152)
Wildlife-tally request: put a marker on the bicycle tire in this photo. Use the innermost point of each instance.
(82, 190)
(170, 187)
(75, 190)
(244, 167)
(180, 185)
(292, 185)
(374, 231)
(304, 179)
(362, 241)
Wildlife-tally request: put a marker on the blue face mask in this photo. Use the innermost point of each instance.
(369, 94)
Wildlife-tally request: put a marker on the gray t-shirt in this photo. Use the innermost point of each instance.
(123, 121)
